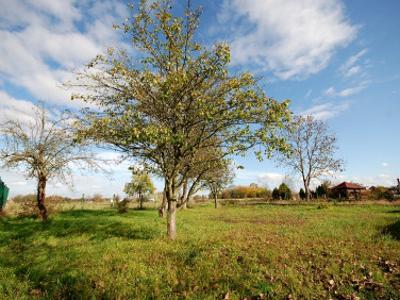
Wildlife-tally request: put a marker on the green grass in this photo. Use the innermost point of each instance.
(303, 251)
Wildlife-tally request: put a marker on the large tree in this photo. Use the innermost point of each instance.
(171, 97)
(44, 148)
(312, 150)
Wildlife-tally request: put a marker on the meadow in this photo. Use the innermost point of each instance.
(251, 252)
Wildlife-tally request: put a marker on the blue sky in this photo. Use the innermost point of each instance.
(336, 60)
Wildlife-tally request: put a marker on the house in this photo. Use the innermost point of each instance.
(348, 190)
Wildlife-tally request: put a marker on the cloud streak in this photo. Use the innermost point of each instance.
(326, 111)
(351, 67)
(349, 91)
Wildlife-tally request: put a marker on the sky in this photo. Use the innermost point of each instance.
(336, 60)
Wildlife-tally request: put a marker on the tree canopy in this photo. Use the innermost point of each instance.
(174, 97)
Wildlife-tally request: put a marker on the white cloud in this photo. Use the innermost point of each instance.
(269, 179)
(272, 179)
(326, 111)
(331, 91)
(11, 108)
(387, 180)
(351, 91)
(350, 67)
(385, 164)
(292, 38)
(43, 42)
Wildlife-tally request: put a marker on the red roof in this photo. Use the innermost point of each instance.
(349, 185)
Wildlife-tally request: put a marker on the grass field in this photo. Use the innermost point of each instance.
(277, 252)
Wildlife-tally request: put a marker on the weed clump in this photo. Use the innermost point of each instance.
(27, 207)
(322, 206)
(122, 206)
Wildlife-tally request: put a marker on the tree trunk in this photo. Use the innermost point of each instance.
(215, 201)
(307, 189)
(41, 196)
(140, 202)
(163, 207)
(184, 205)
(172, 197)
(171, 221)
(184, 197)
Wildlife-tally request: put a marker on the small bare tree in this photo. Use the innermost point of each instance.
(44, 149)
(312, 150)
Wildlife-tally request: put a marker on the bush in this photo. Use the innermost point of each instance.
(323, 190)
(241, 192)
(380, 192)
(275, 194)
(27, 205)
(122, 206)
(200, 198)
(97, 198)
(284, 192)
(302, 194)
(23, 198)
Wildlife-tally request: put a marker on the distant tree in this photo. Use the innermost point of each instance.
(276, 194)
(140, 186)
(44, 149)
(206, 165)
(302, 194)
(289, 181)
(217, 179)
(173, 98)
(284, 192)
(381, 192)
(240, 192)
(323, 189)
(312, 150)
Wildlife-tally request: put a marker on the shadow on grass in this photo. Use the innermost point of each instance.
(97, 224)
(51, 267)
(48, 269)
(393, 230)
(85, 213)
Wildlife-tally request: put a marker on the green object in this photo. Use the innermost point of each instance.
(3, 193)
